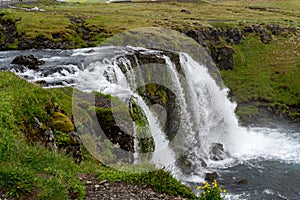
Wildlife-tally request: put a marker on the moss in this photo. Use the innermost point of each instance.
(61, 122)
(151, 88)
(144, 136)
(247, 111)
(61, 138)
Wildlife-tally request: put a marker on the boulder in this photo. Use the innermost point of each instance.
(217, 152)
(61, 122)
(30, 61)
(234, 35)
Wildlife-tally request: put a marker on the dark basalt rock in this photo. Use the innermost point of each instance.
(242, 181)
(275, 29)
(233, 35)
(30, 61)
(265, 37)
(223, 57)
(217, 152)
(213, 35)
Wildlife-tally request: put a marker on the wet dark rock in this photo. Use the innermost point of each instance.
(211, 176)
(217, 152)
(242, 181)
(41, 42)
(185, 164)
(30, 61)
(165, 97)
(49, 70)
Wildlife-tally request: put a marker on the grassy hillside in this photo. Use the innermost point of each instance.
(31, 171)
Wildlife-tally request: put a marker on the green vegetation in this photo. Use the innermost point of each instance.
(211, 191)
(266, 74)
(30, 171)
(162, 181)
(104, 20)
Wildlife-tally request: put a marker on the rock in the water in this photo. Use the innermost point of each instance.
(62, 123)
(242, 181)
(217, 152)
(211, 176)
(30, 61)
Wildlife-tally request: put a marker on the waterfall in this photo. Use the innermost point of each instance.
(204, 111)
(185, 92)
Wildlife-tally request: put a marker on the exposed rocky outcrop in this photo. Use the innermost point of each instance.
(57, 135)
(213, 39)
(8, 32)
(223, 57)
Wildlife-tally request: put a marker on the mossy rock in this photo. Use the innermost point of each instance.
(61, 122)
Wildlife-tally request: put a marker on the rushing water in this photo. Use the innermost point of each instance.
(268, 158)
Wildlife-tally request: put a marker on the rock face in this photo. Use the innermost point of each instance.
(30, 61)
(265, 37)
(57, 135)
(223, 56)
(217, 152)
(222, 53)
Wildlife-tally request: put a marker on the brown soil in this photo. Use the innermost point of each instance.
(106, 190)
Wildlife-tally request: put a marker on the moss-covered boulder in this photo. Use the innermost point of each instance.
(61, 122)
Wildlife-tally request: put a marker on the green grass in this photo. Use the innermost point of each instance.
(266, 72)
(105, 20)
